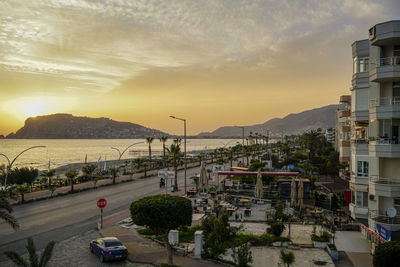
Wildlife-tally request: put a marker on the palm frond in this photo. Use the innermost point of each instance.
(46, 255)
(8, 218)
(17, 259)
(33, 257)
(4, 204)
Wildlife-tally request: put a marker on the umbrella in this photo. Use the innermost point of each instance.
(293, 193)
(259, 186)
(301, 194)
(203, 177)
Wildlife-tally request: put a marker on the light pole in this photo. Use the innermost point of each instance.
(184, 132)
(242, 139)
(10, 163)
(122, 153)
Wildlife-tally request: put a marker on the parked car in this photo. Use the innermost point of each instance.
(108, 248)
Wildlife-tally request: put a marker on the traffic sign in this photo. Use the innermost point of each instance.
(101, 203)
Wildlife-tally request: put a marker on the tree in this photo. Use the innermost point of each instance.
(162, 213)
(23, 175)
(287, 257)
(114, 173)
(163, 139)
(71, 175)
(22, 190)
(174, 152)
(242, 255)
(34, 260)
(48, 174)
(277, 228)
(216, 234)
(149, 140)
(6, 210)
(387, 254)
(145, 165)
(88, 170)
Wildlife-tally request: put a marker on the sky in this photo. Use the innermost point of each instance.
(214, 63)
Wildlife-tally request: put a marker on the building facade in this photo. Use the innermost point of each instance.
(375, 122)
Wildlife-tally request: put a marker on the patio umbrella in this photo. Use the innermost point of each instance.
(301, 194)
(203, 177)
(293, 192)
(259, 186)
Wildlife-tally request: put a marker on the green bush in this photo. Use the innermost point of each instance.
(324, 237)
(145, 231)
(277, 229)
(186, 234)
(387, 254)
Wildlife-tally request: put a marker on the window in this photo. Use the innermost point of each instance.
(362, 168)
(365, 199)
(360, 64)
(397, 205)
(359, 199)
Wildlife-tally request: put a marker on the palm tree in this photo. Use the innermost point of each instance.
(145, 165)
(33, 256)
(287, 257)
(163, 139)
(174, 151)
(114, 173)
(6, 210)
(150, 140)
(48, 174)
(88, 170)
(71, 175)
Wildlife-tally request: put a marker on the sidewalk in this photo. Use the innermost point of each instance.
(143, 250)
(355, 246)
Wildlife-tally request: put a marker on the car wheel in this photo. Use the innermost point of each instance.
(101, 258)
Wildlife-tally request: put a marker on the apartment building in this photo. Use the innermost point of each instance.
(375, 122)
(330, 135)
(343, 129)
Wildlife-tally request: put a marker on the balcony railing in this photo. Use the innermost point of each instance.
(384, 140)
(359, 141)
(385, 101)
(383, 180)
(389, 61)
(383, 218)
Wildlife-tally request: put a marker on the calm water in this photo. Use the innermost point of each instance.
(62, 152)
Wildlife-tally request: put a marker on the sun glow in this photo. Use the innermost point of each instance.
(25, 107)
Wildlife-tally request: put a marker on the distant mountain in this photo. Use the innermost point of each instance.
(298, 123)
(67, 126)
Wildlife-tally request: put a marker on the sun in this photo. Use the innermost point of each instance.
(35, 108)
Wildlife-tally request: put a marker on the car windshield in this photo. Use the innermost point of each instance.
(112, 243)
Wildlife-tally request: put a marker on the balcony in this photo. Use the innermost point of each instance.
(388, 70)
(384, 147)
(385, 187)
(345, 99)
(391, 224)
(385, 107)
(385, 33)
(344, 113)
(358, 212)
(359, 146)
(345, 128)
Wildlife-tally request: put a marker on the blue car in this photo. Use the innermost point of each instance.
(108, 248)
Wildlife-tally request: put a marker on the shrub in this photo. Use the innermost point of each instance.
(277, 229)
(146, 231)
(324, 237)
(387, 254)
(242, 255)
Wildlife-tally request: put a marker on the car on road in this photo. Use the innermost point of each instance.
(108, 248)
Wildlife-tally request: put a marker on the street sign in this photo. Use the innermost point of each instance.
(101, 203)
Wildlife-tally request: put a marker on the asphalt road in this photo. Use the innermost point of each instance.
(66, 216)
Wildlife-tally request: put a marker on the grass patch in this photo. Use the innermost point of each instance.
(145, 231)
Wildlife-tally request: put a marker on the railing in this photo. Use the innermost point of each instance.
(359, 141)
(384, 140)
(382, 218)
(389, 61)
(385, 101)
(383, 180)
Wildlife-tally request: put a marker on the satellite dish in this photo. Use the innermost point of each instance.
(391, 212)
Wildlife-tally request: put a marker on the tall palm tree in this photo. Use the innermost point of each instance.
(34, 260)
(174, 152)
(49, 174)
(88, 170)
(6, 210)
(163, 139)
(71, 175)
(150, 140)
(114, 173)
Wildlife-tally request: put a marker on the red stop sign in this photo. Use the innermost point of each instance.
(101, 203)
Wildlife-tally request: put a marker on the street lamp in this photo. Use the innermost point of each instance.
(184, 131)
(122, 153)
(242, 139)
(10, 163)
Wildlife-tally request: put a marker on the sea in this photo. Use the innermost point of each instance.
(61, 152)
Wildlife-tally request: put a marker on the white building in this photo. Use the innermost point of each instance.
(375, 148)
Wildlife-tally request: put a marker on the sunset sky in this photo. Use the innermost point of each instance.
(214, 63)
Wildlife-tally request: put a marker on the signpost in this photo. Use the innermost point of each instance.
(101, 203)
(165, 175)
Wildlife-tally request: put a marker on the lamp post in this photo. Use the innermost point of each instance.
(184, 132)
(242, 139)
(122, 153)
(10, 163)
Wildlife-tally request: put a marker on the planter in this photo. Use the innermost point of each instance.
(333, 252)
(320, 244)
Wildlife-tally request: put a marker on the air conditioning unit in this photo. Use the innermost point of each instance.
(371, 197)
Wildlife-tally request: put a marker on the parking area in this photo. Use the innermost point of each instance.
(75, 252)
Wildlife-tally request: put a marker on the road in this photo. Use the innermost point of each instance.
(66, 216)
